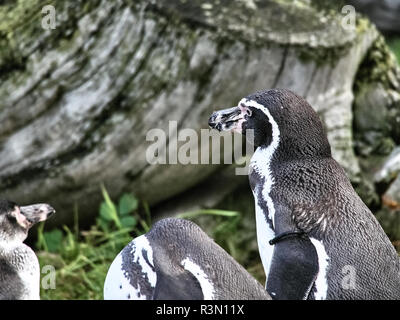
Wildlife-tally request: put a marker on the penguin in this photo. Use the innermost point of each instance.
(19, 266)
(176, 260)
(316, 237)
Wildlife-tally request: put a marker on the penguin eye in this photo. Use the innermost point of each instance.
(249, 112)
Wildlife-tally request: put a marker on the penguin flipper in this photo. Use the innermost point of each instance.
(294, 264)
(294, 268)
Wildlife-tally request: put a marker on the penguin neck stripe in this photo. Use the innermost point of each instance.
(206, 286)
(261, 160)
(264, 233)
(142, 245)
(120, 283)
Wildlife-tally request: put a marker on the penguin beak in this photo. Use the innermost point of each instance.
(227, 120)
(29, 215)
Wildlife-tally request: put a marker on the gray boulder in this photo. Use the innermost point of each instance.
(77, 101)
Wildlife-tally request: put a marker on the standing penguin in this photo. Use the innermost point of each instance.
(19, 266)
(317, 239)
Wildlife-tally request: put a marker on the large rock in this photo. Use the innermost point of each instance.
(77, 102)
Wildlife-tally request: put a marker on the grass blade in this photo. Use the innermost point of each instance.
(215, 212)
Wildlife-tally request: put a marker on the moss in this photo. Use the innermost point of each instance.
(265, 21)
(330, 55)
(377, 132)
(15, 18)
(21, 30)
(20, 22)
(379, 66)
(321, 37)
(328, 5)
(366, 190)
(362, 24)
(321, 55)
(386, 146)
(13, 15)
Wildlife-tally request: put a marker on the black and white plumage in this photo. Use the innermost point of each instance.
(176, 260)
(19, 266)
(301, 191)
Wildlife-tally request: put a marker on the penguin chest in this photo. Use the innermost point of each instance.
(28, 271)
(264, 234)
(265, 230)
(31, 280)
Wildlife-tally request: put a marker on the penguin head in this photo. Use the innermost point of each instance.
(15, 221)
(157, 265)
(278, 117)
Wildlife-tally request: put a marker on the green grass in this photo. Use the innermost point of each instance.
(82, 258)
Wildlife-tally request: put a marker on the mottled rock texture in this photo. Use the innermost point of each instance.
(77, 102)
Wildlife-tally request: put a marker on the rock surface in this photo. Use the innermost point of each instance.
(390, 168)
(77, 102)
